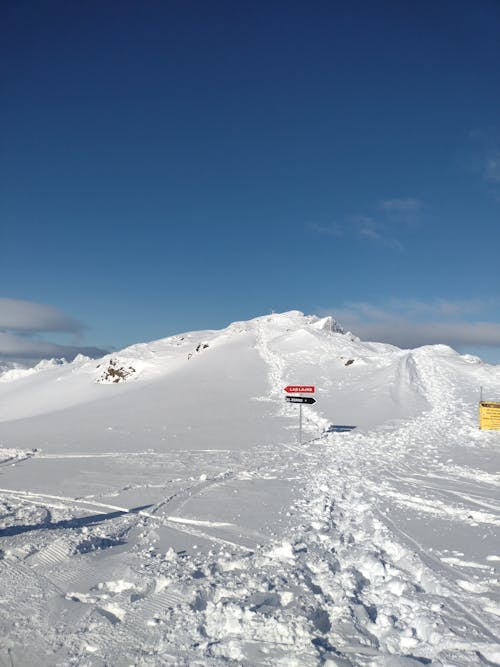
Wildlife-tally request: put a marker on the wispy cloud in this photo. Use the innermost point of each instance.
(402, 211)
(417, 308)
(492, 167)
(23, 325)
(483, 156)
(410, 334)
(383, 225)
(375, 230)
(412, 322)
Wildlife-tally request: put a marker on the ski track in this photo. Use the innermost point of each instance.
(347, 586)
(362, 472)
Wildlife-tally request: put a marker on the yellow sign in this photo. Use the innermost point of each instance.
(489, 415)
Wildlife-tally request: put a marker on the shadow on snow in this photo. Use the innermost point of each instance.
(339, 428)
(80, 522)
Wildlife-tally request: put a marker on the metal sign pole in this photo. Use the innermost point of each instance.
(300, 423)
(309, 400)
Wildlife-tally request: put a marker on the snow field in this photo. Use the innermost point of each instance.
(227, 543)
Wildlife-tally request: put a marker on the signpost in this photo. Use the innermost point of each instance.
(300, 389)
(308, 400)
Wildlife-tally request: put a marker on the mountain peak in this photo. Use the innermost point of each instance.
(329, 323)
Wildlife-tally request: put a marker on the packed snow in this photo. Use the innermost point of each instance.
(157, 507)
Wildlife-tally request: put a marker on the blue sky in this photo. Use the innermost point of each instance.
(175, 165)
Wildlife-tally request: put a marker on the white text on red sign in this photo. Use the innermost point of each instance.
(300, 389)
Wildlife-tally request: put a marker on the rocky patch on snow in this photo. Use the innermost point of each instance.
(115, 372)
(198, 348)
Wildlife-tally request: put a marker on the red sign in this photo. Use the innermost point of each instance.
(300, 389)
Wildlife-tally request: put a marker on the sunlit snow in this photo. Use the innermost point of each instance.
(156, 507)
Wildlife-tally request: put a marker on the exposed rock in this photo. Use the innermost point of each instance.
(115, 373)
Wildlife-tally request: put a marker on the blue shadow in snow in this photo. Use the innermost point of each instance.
(339, 428)
(47, 524)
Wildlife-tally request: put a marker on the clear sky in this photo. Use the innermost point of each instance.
(179, 164)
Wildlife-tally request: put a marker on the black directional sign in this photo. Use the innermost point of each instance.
(300, 399)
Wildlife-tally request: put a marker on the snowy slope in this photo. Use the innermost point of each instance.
(157, 509)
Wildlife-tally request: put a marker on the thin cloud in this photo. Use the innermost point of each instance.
(412, 323)
(23, 325)
(410, 334)
(383, 225)
(372, 229)
(492, 167)
(368, 227)
(17, 315)
(438, 308)
(483, 156)
(404, 212)
(19, 347)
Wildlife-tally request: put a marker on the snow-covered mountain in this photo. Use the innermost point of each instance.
(156, 507)
(9, 366)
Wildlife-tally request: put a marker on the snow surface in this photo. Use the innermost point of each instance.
(164, 513)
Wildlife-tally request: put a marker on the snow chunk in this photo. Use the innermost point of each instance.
(117, 586)
(281, 552)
